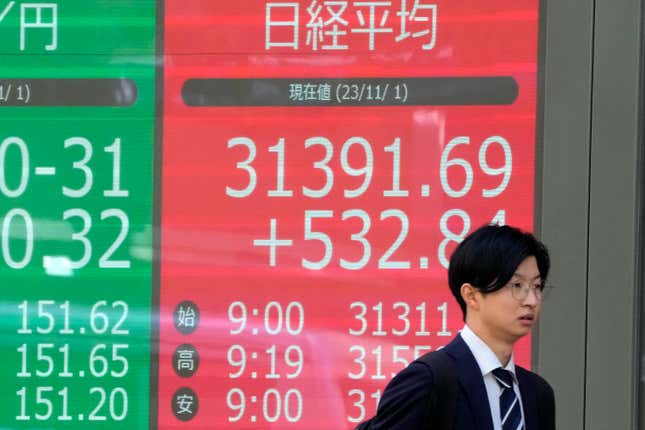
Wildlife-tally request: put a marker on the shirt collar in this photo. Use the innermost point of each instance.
(484, 356)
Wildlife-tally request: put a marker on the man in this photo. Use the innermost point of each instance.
(497, 275)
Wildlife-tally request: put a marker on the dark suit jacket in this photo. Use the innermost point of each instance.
(404, 405)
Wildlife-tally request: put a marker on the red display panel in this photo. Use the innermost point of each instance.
(321, 160)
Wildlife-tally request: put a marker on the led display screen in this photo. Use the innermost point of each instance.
(239, 215)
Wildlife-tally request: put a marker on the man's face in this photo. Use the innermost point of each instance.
(502, 315)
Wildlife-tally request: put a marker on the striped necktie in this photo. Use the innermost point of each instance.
(509, 404)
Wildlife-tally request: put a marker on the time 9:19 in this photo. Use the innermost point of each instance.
(293, 358)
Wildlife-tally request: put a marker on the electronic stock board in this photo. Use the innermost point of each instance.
(239, 215)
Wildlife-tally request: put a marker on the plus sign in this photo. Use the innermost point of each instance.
(272, 242)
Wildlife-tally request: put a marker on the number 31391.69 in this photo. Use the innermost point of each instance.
(366, 169)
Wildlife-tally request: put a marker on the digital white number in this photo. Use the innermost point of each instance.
(383, 262)
(24, 167)
(360, 238)
(100, 320)
(396, 191)
(239, 320)
(449, 235)
(506, 169)
(316, 235)
(80, 165)
(105, 261)
(246, 166)
(115, 413)
(361, 317)
(456, 162)
(322, 165)
(366, 170)
(280, 191)
(115, 150)
(81, 236)
(101, 370)
(9, 230)
(241, 363)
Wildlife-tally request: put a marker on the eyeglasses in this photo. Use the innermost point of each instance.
(520, 290)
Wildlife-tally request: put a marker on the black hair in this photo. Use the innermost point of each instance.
(489, 256)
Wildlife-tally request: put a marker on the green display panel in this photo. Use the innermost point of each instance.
(77, 82)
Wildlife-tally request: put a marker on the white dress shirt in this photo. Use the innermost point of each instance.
(487, 362)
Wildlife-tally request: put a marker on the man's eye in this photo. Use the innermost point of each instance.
(517, 285)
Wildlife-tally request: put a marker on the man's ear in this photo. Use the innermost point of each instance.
(470, 295)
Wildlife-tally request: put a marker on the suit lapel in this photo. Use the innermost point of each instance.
(529, 402)
(471, 382)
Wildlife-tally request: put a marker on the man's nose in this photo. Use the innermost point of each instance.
(532, 297)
